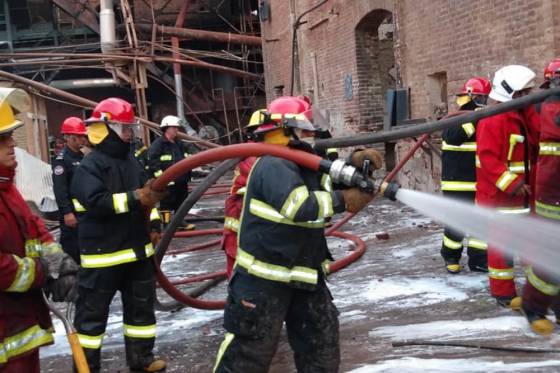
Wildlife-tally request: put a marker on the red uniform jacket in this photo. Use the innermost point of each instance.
(502, 161)
(24, 316)
(547, 193)
(232, 209)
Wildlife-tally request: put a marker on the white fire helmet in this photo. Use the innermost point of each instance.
(511, 79)
(171, 121)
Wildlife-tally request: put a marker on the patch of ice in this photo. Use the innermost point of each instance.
(352, 315)
(457, 329)
(418, 291)
(413, 365)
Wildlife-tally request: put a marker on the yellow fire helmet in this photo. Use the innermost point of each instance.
(256, 119)
(12, 99)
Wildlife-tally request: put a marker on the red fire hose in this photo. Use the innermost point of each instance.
(238, 151)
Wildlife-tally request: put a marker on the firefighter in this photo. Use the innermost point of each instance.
(74, 132)
(234, 202)
(29, 259)
(541, 290)
(164, 152)
(279, 273)
(114, 239)
(458, 176)
(502, 173)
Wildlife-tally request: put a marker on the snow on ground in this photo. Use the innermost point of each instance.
(414, 365)
(399, 290)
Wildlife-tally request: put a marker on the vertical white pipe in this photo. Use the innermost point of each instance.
(107, 26)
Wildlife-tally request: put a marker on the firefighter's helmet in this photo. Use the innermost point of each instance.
(552, 69)
(12, 99)
(287, 113)
(475, 89)
(114, 113)
(511, 79)
(170, 121)
(73, 126)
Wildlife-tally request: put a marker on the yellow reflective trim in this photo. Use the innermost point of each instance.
(468, 128)
(154, 214)
(505, 180)
(275, 272)
(500, 274)
(477, 162)
(326, 265)
(267, 212)
(91, 341)
(452, 244)
(115, 258)
(464, 147)
(516, 167)
(158, 173)
(477, 244)
(32, 248)
(135, 331)
(25, 275)
(513, 140)
(514, 210)
(140, 151)
(120, 202)
(548, 211)
(231, 224)
(295, 199)
(50, 248)
(223, 347)
(78, 206)
(23, 342)
(241, 191)
(458, 186)
(326, 183)
(171, 183)
(324, 200)
(331, 150)
(166, 157)
(540, 284)
(549, 148)
(186, 155)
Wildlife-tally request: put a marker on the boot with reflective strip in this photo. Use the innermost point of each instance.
(539, 323)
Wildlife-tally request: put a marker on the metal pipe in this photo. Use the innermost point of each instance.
(194, 34)
(471, 116)
(210, 66)
(91, 104)
(107, 32)
(177, 68)
(83, 83)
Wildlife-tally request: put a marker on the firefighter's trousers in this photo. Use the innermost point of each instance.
(500, 273)
(541, 292)
(97, 287)
(69, 241)
(255, 311)
(452, 245)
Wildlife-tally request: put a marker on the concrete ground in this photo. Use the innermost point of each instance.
(399, 290)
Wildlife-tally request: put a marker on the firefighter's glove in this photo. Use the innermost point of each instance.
(58, 265)
(64, 289)
(373, 156)
(155, 237)
(355, 199)
(147, 196)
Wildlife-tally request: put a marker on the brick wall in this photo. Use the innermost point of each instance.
(346, 67)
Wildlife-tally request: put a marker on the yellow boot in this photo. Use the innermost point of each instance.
(542, 326)
(155, 366)
(515, 303)
(452, 268)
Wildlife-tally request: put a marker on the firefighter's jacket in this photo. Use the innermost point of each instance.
(458, 171)
(114, 227)
(547, 191)
(234, 204)
(164, 154)
(281, 236)
(25, 324)
(502, 162)
(63, 168)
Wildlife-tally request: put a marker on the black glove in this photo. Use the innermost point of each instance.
(64, 289)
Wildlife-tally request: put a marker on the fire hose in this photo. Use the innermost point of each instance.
(341, 172)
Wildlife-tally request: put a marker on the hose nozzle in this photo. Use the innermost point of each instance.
(389, 190)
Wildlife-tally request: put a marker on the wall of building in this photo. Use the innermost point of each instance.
(347, 52)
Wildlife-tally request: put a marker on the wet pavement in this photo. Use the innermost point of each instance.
(399, 290)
